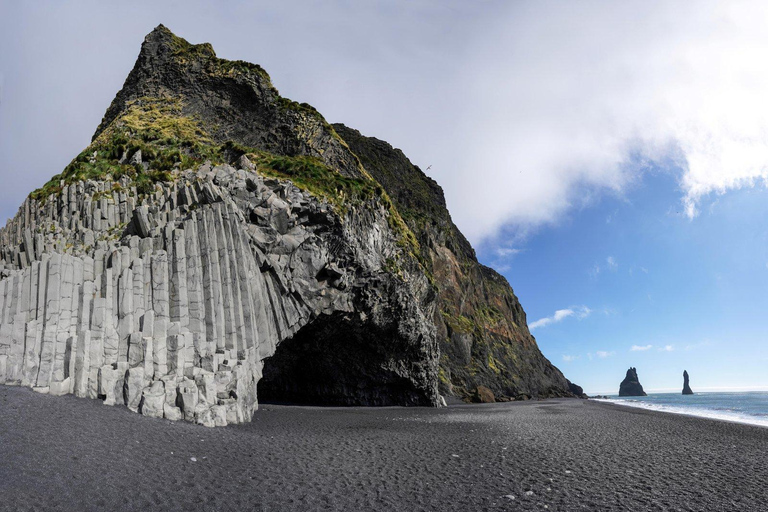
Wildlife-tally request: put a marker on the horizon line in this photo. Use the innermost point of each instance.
(711, 389)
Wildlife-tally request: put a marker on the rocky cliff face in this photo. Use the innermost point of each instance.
(217, 242)
(631, 386)
(481, 326)
(686, 386)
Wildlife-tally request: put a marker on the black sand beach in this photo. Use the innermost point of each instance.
(66, 453)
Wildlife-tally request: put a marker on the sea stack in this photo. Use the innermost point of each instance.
(686, 388)
(631, 386)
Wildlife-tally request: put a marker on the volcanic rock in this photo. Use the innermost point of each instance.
(631, 386)
(483, 395)
(218, 244)
(686, 387)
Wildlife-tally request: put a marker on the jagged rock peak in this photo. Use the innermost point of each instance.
(631, 386)
(229, 101)
(686, 386)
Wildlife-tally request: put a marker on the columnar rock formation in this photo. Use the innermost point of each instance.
(631, 386)
(686, 386)
(215, 233)
(170, 302)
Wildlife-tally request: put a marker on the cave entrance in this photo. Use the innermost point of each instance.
(336, 360)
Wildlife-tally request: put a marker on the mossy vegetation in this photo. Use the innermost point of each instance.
(152, 138)
(495, 365)
(459, 323)
(489, 315)
(185, 52)
(147, 141)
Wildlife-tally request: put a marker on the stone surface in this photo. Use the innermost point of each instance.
(483, 395)
(631, 386)
(153, 400)
(686, 386)
(480, 324)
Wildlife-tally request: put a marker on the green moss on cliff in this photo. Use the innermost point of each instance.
(185, 52)
(155, 127)
(459, 323)
(152, 138)
(310, 174)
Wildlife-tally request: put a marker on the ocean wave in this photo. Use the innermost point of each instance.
(722, 414)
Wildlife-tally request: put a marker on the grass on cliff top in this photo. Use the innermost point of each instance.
(185, 52)
(310, 174)
(169, 140)
(156, 127)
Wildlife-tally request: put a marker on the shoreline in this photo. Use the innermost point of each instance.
(681, 411)
(67, 453)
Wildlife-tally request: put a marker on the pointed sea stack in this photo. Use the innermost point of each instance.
(631, 386)
(686, 387)
(216, 239)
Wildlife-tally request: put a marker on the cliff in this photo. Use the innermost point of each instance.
(481, 326)
(631, 386)
(217, 244)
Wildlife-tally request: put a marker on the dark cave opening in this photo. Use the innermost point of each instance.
(337, 360)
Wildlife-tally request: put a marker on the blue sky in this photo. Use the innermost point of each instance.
(610, 158)
(640, 284)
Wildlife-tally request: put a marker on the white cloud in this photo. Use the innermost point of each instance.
(667, 348)
(637, 348)
(560, 315)
(525, 110)
(574, 99)
(504, 252)
(612, 263)
(568, 358)
(603, 354)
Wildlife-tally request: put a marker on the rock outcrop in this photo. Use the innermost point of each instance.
(217, 244)
(686, 386)
(631, 386)
(481, 326)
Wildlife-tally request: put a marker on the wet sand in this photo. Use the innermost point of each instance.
(65, 453)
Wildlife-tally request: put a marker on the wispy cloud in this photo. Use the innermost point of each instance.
(667, 348)
(568, 358)
(602, 354)
(639, 348)
(560, 315)
(505, 252)
(613, 265)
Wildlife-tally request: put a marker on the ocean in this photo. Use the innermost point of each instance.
(741, 407)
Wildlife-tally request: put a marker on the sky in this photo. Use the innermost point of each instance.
(609, 158)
